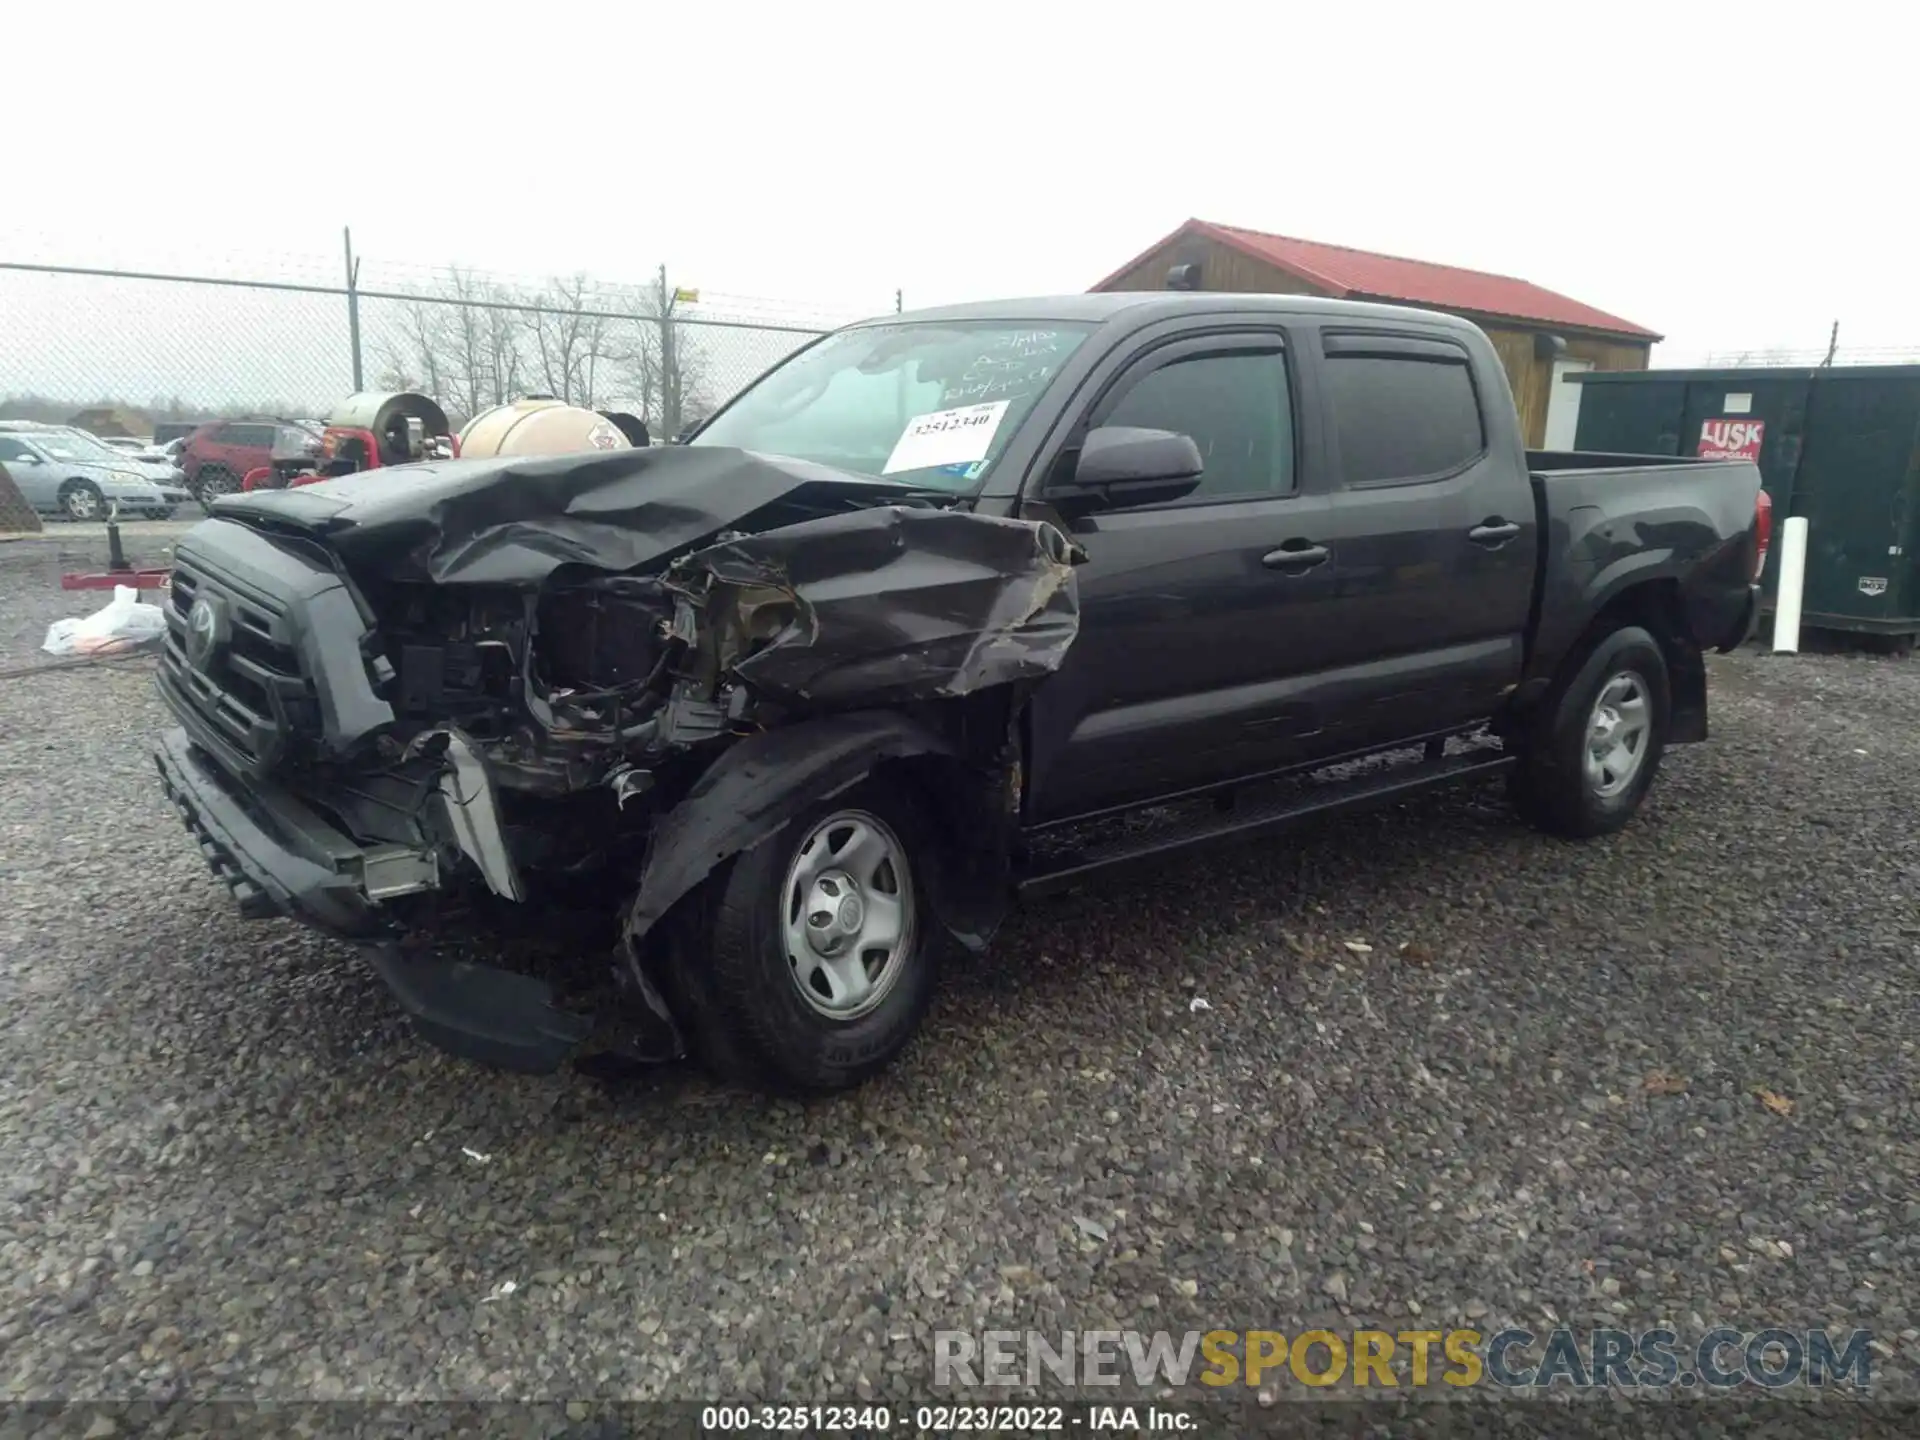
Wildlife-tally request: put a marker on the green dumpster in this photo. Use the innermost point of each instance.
(1839, 445)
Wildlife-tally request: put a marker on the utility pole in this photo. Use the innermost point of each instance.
(1833, 346)
(669, 371)
(896, 302)
(353, 306)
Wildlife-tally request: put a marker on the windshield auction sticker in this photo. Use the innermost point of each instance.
(947, 437)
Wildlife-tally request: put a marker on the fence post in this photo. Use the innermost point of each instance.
(353, 307)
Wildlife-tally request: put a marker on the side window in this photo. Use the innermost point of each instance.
(12, 450)
(1403, 417)
(1236, 406)
(249, 435)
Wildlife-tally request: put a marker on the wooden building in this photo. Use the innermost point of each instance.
(1542, 337)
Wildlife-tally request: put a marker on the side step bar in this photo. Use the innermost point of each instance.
(1253, 817)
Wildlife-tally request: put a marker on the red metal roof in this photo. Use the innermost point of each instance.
(1362, 273)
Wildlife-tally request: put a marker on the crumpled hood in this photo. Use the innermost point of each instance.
(514, 521)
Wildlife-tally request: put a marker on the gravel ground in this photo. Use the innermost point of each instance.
(231, 1169)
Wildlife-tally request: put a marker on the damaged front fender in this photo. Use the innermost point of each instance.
(888, 605)
(759, 785)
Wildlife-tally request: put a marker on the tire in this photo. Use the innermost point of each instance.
(212, 480)
(1592, 755)
(82, 500)
(765, 1004)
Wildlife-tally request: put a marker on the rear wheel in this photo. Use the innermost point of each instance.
(811, 961)
(81, 500)
(1596, 746)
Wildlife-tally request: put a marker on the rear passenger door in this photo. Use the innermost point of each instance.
(1432, 532)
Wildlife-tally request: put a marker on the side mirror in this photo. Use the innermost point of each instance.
(29, 459)
(1124, 465)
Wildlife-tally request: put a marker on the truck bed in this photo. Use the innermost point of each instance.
(1610, 521)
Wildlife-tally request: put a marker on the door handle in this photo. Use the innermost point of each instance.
(1296, 555)
(1493, 533)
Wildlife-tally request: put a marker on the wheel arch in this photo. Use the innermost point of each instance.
(1659, 608)
(763, 782)
(1656, 606)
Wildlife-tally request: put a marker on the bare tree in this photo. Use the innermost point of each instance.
(503, 332)
(569, 340)
(472, 346)
(466, 335)
(415, 350)
(465, 346)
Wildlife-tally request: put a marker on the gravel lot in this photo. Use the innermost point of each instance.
(231, 1169)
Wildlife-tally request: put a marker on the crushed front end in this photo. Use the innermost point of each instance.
(512, 678)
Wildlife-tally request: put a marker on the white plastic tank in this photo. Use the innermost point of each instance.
(539, 427)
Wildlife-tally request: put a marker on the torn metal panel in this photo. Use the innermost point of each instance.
(895, 603)
(757, 786)
(514, 522)
(469, 810)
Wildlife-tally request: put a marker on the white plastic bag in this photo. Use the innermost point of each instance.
(121, 624)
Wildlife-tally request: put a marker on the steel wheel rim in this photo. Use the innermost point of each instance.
(1618, 729)
(82, 503)
(847, 914)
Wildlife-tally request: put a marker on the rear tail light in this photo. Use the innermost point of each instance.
(1762, 530)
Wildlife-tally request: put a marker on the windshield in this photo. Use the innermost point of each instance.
(928, 403)
(65, 445)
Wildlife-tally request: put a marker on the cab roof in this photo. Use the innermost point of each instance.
(1138, 307)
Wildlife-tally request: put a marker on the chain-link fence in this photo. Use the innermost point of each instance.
(139, 349)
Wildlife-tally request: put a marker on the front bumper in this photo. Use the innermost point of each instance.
(279, 857)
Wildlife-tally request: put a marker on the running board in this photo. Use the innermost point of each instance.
(1267, 815)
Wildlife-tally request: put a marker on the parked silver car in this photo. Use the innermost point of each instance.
(61, 471)
(145, 458)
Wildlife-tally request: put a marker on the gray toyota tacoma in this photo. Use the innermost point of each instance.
(945, 608)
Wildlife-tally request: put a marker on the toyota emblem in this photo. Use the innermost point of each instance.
(203, 632)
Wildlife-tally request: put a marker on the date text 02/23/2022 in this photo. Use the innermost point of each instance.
(942, 1419)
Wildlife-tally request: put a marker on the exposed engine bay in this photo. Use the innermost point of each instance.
(585, 634)
(593, 677)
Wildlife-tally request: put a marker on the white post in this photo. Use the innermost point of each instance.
(1793, 579)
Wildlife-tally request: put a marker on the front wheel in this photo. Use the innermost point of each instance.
(1593, 753)
(81, 500)
(812, 961)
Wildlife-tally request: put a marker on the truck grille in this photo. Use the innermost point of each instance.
(247, 686)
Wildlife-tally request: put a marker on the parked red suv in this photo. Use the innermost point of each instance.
(221, 452)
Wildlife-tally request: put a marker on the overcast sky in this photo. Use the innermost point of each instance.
(1729, 175)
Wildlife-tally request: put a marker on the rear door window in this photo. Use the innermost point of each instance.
(1403, 418)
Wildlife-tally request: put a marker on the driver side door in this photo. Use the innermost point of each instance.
(1193, 613)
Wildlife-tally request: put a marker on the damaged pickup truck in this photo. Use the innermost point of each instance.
(944, 608)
